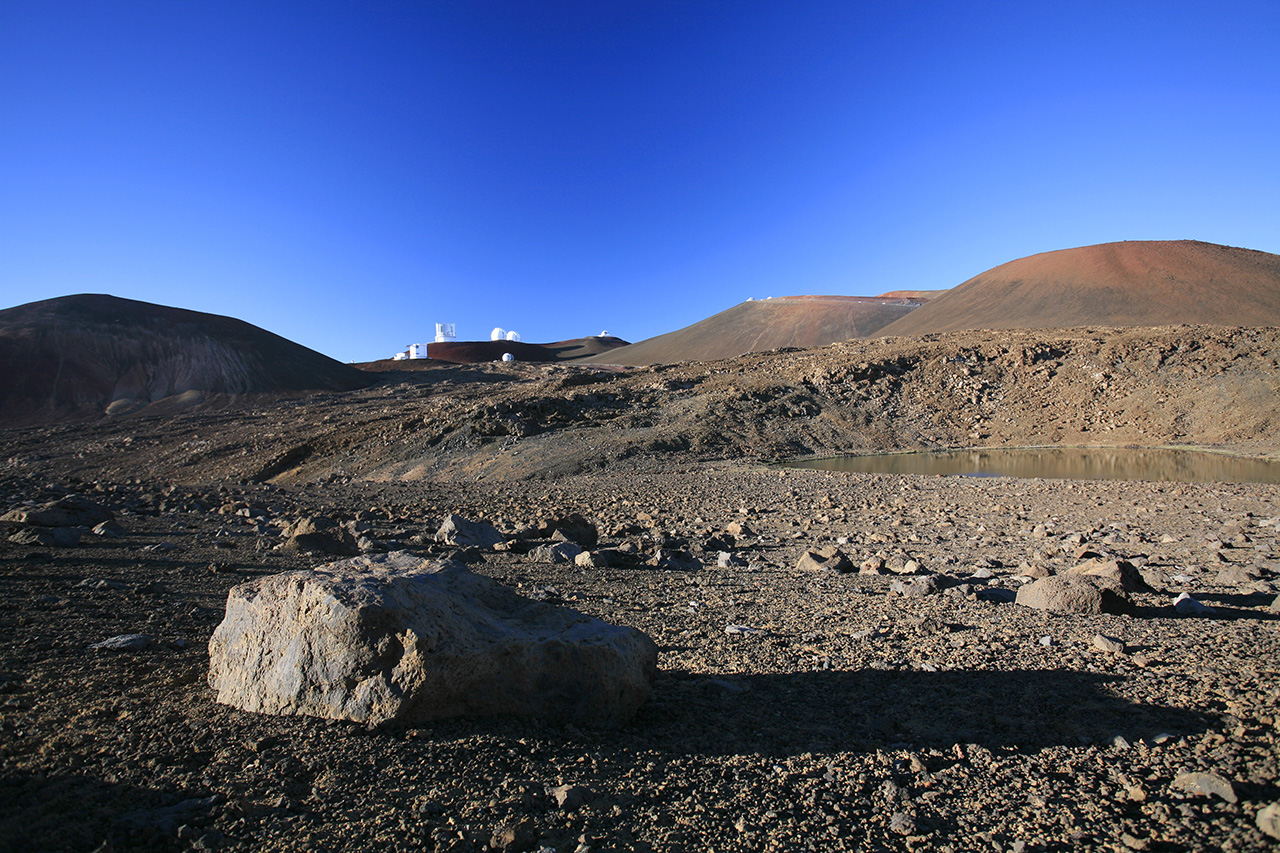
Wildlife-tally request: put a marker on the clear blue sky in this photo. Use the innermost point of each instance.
(346, 174)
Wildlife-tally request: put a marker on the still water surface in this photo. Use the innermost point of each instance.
(1068, 463)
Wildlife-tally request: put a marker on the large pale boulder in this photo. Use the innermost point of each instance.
(393, 638)
(1081, 593)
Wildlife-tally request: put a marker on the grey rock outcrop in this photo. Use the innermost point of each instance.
(393, 638)
(1075, 594)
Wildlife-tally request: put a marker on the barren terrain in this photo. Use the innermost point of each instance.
(905, 705)
(1133, 283)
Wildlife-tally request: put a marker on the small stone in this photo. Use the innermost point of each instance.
(902, 823)
(916, 588)
(829, 558)
(744, 629)
(123, 643)
(456, 530)
(1046, 641)
(1185, 605)
(1206, 785)
(513, 837)
(871, 566)
(1268, 820)
(1110, 645)
(108, 530)
(569, 797)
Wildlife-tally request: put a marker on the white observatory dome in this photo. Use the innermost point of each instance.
(497, 334)
(513, 335)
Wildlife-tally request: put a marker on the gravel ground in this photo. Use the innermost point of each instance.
(793, 710)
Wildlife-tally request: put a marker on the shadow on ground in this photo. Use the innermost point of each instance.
(869, 709)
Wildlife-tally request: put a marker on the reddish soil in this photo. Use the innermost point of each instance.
(767, 324)
(1140, 283)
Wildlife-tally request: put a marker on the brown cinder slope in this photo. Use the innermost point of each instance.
(80, 357)
(766, 324)
(1138, 283)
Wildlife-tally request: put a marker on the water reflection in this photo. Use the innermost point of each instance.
(1069, 463)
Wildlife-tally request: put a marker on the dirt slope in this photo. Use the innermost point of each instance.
(78, 357)
(767, 324)
(1139, 283)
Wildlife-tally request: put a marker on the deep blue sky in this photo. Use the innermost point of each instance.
(348, 174)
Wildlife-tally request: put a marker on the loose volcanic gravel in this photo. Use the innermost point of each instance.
(794, 709)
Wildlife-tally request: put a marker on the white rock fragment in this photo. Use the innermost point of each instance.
(123, 643)
(1185, 605)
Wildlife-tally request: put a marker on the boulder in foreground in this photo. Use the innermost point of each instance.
(396, 639)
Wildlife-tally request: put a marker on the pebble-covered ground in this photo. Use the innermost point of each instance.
(794, 709)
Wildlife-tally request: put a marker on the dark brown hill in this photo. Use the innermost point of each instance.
(81, 357)
(474, 352)
(766, 324)
(1139, 283)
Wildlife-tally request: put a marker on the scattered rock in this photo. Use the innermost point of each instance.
(916, 588)
(569, 797)
(605, 558)
(49, 537)
(726, 560)
(559, 552)
(1205, 785)
(828, 558)
(71, 511)
(456, 530)
(108, 530)
(1268, 820)
(393, 638)
(1110, 645)
(871, 566)
(676, 561)
(515, 836)
(1237, 576)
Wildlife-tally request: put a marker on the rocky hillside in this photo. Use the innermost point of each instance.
(1198, 386)
(82, 357)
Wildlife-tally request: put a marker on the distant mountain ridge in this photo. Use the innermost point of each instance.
(767, 324)
(1135, 283)
(83, 356)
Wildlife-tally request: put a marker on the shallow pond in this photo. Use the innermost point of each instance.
(1068, 463)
